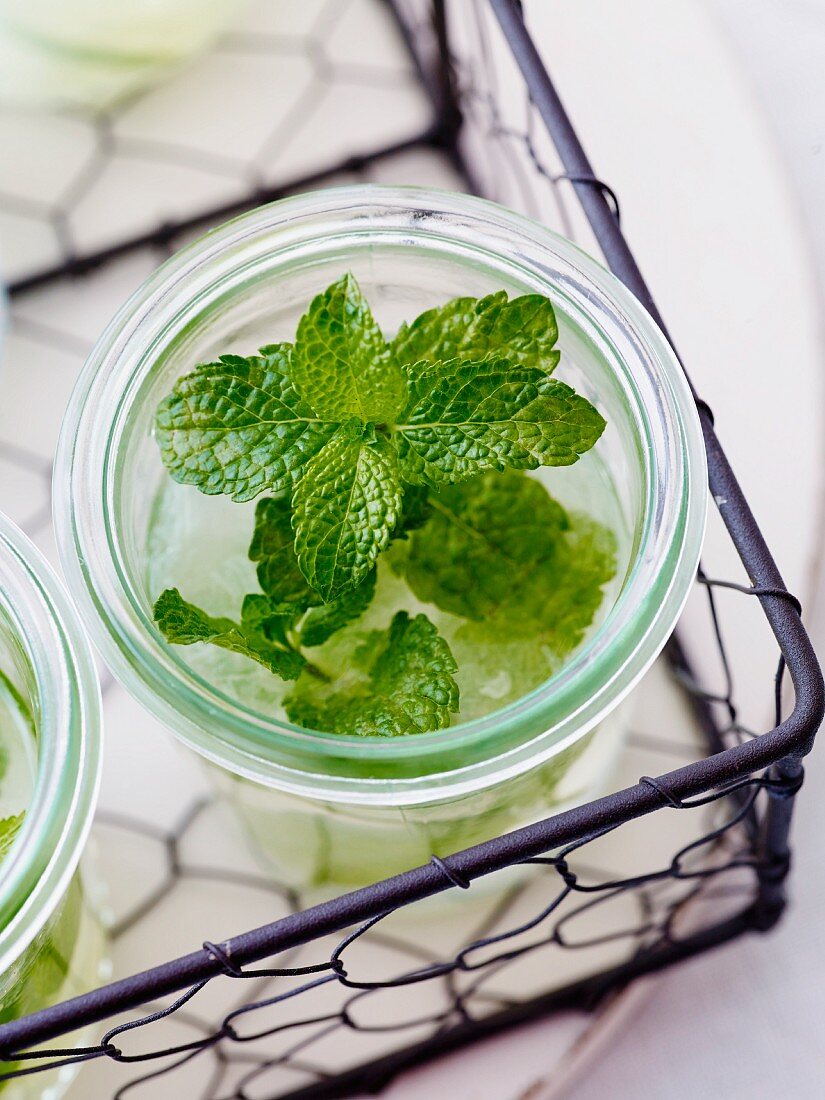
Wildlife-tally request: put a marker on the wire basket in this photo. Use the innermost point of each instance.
(292, 984)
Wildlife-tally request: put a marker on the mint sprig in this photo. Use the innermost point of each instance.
(421, 441)
(342, 419)
(257, 636)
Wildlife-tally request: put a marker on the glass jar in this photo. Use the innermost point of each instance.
(52, 945)
(86, 55)
(334, 811)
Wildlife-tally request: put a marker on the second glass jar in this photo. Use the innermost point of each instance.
(52, 943)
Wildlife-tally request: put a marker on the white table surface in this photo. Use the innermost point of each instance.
(749, 1021)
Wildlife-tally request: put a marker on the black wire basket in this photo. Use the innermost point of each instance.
(728, 878)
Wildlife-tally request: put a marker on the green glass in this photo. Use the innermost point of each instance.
(84, 55)
(333, 811)
(52, 944)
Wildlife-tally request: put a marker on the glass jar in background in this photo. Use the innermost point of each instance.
(330, 811)
(52, 944)
(88, 55)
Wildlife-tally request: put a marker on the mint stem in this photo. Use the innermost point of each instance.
(317, 672)
(294, 643)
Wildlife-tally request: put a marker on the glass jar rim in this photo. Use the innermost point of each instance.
(35, 873)
(552, 716)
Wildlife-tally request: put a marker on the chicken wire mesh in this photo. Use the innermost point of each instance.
(79, 188)
(336, 999)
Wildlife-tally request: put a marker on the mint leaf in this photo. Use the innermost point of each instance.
(467, 418)
(525, 641)
(273, 549)
(558, 600)
(342, 363)
(501, 551)
(286, 590)
(238, 426)
(320, 623)
(483, 538)
(410, 687)
(345, 509)
(9, 828)
(184, 624)
(522, 331)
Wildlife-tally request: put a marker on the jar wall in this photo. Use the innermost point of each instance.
(324, 848)
(52, 942)
(68, 957)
